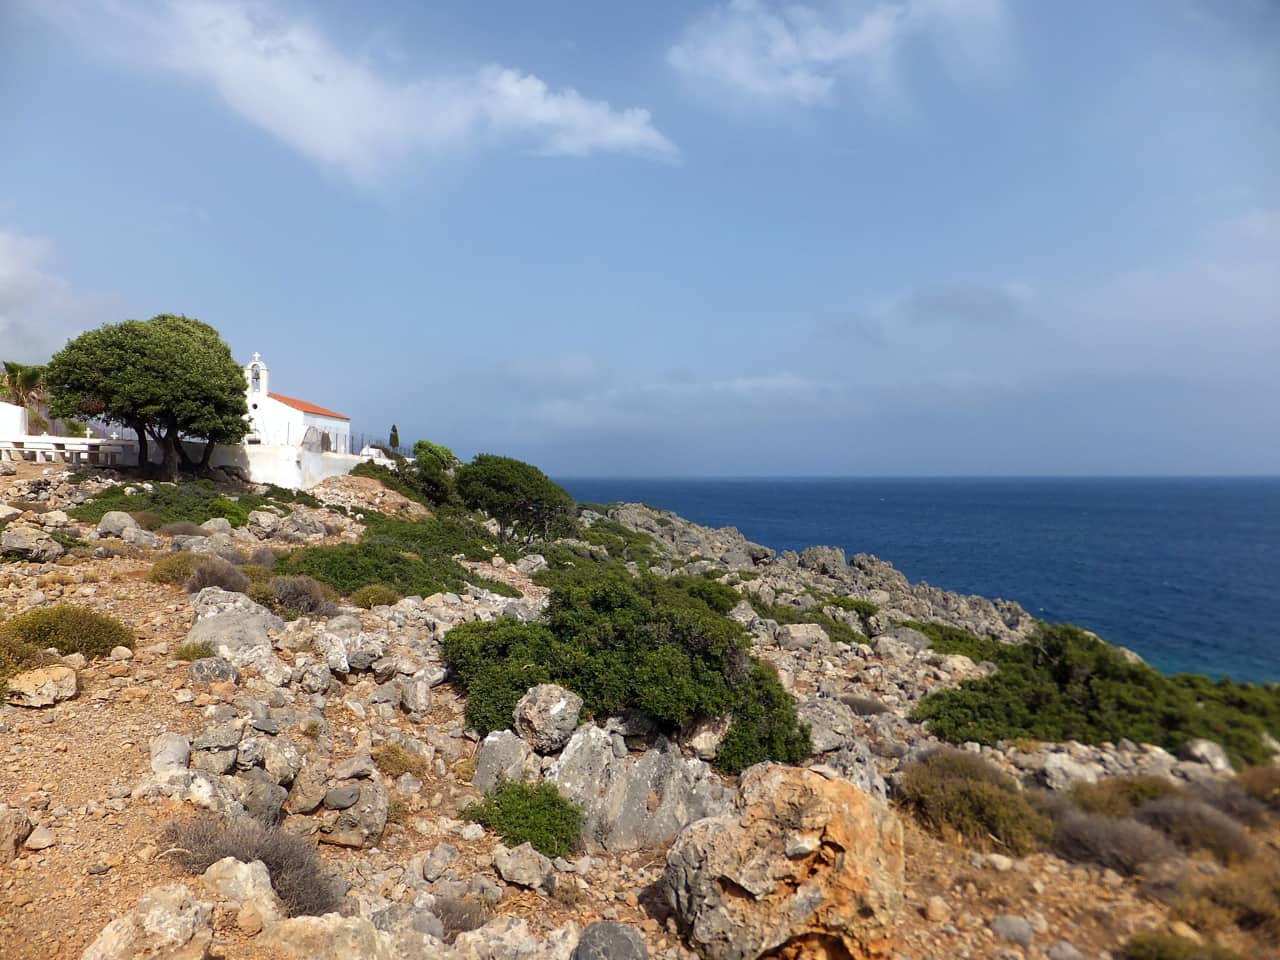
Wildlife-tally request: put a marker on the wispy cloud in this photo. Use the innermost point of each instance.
(797, 53)
(352, 114)
(38, 310)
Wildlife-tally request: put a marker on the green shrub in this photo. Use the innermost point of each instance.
(375, 595)
(622, 542)
(1165, 946)
(525, 502)
(67, 628)
(863, 608)
(174, 568)
(624, 642)
(837, 630)
(530, 813)
(1120, 796)
(192, 651)
(960, 794)
(1065, 684)
(192, 502)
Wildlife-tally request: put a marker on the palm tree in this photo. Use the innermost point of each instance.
(23, 383)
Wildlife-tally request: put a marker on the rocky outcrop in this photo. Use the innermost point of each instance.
(546, 717)
(803, 867)
(167, 922)
(634, 804)
(25, 542)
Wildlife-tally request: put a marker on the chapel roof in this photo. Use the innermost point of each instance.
(306, 407)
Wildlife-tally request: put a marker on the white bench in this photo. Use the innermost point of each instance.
(71, 450)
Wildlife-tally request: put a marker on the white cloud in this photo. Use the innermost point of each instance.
(286, 77)
(797, 53)
(38, 310)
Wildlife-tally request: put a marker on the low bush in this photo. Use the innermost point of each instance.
(1230, 798)
(375, 595)
(182, 528)
(1165, 946)
(1120, 844)
(394, 761)
(863, 608)
(67, 628)
(1246, 896)
(623, 543)
(192, 502)
(959, 794)
(257, 574)
(147, 519)
(174, 568)
(1195, 826)
(263, 557)
(1262, 783)
(1120, 796)
(837, 630)
(530, 813)
(192, 651)
(301, 595)
(300, 880)
(764, 724)
(210, 571)
(1066, 684)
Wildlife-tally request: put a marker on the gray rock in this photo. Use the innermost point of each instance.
(213, 670)
(309, 787)
(342, 796)
(440, 859)
(214, 761)
(1062, 772)
(222, 737)
(115, 522)
(167, 921)
(250, 753)
(262, 797)
(634, 804)
(361, 824)
(358, 767)
(145, 539)
(415, 696)
(1207, 752)
(281, 759)
(218, 525)
(1064, 950)
(41, 838)
(831, 723)
(247, 883)
(1013, 929)
(523, 866)
(501, 756)
(856, 764)
(610, 941)
(25, 542)
(170, 751)
(15, 827)
(546, 716)
(800, 636)
(315, 678)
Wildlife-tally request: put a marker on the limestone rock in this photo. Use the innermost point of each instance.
(610, 941)
(15, 827)
(800, 636)
(546, 716)
(248, 883)
(502, 756)
(28, 543)
(361, 824)
(522, 865)
(330, 937)
(170, 751)
(831, 723)
(42, 687)
(1062, 772)
(115, 522)
(167, 922)
(634, 804)
(804, 866)
(1207, 752)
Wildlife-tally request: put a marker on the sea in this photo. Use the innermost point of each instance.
(1185, 571)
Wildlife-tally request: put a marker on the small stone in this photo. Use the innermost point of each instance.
(97, 869)
(40, 838)
(1063, 950)
(999, 862)
(341, 797)
(610, 941)
(1013, 929)
(121, 653)
(937, 910)
(1180, 929)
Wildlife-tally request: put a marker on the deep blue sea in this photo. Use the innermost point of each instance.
(1186, 571)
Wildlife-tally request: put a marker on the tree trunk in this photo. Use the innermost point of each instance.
(206, 456)
(144, 460)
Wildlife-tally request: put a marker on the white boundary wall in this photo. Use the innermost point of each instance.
(13, 421)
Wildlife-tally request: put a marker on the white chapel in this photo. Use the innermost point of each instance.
(280, 421)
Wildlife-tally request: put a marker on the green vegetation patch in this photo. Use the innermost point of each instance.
(193, 502)
(67, 628)
(837, 630)
(623, 543)
(1165, 946)
(530, 813)
(375, 595)
(1065, 684)
(622, 642)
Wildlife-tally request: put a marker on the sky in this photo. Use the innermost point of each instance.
(672, 238)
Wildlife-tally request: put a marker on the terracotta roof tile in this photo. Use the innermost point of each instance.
(306, 407)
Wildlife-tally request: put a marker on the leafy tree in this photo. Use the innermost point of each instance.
(165, 378)
(424, 451)
(521, 498)
(394, 439)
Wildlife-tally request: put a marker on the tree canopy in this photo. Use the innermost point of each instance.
(21, 383)
(521, 498)
(167, 378)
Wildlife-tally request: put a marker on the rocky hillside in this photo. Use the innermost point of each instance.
(257, 775)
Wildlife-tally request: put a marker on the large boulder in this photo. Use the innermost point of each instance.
(42, 687)
(546, 716)
(167, 922)
(831, 723)
(361, 824)
(805, 866)
(501, 756)
(25, 542)
(238, 631)
(115, 522)
(800, 636)
(634, 804)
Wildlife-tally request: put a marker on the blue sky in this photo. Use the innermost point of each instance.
(859, 237)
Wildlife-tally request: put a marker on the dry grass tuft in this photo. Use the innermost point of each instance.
(299, 878)
(394, 761)
(1195, 826)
